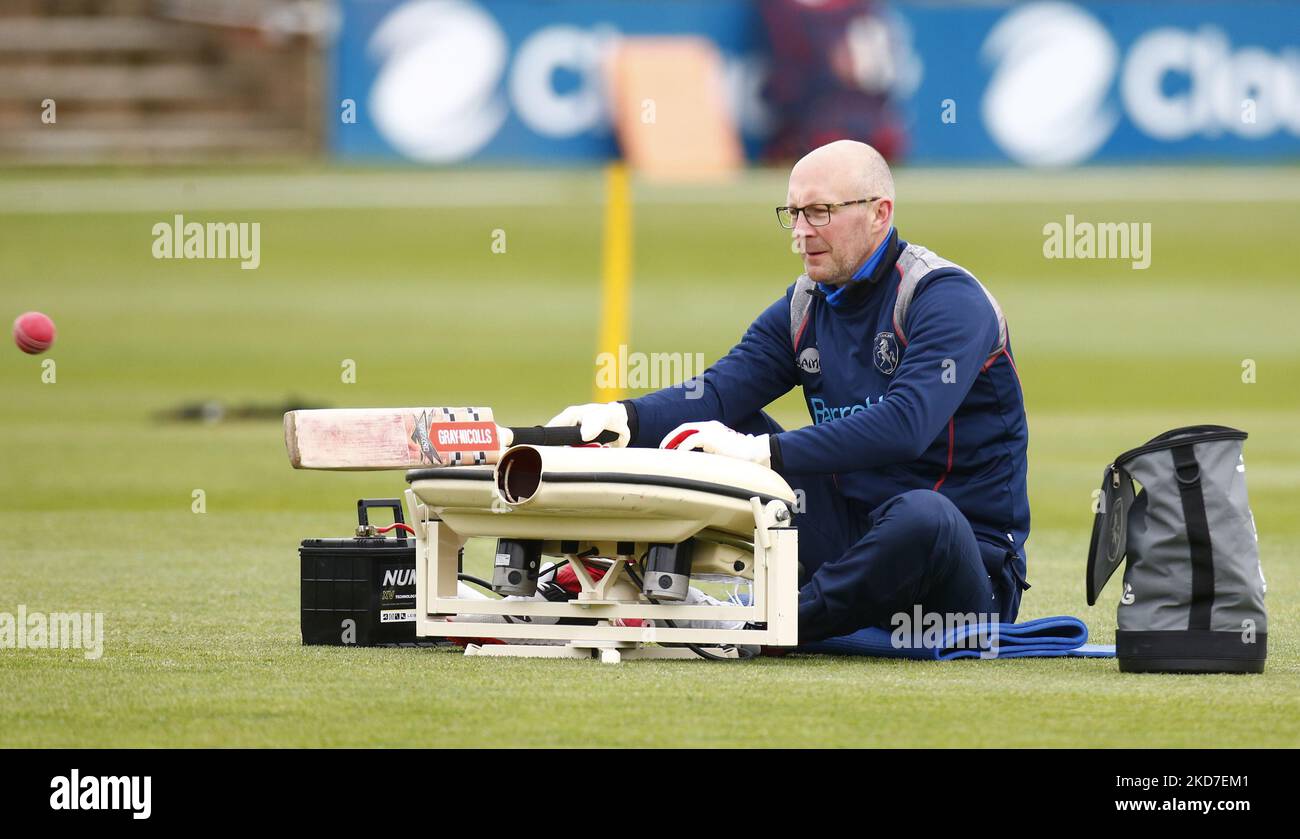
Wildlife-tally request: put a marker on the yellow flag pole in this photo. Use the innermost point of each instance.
(616, 279)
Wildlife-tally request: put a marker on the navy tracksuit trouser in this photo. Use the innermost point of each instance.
(862, 566)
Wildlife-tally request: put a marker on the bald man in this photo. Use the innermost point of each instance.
(913, 470)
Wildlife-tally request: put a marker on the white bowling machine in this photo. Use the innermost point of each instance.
(651, 520)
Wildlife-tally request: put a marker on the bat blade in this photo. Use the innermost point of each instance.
(391, 438)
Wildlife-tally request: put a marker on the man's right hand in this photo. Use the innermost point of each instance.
(595, 417)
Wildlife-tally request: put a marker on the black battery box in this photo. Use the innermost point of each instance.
(361, 591)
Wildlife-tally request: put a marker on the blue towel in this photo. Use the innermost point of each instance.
(1041, 638)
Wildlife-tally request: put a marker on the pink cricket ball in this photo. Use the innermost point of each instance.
(33, 332)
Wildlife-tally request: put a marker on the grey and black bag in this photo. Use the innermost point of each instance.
(1193, 597)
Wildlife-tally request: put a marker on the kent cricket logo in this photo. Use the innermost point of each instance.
(886, 353)
(109, 792)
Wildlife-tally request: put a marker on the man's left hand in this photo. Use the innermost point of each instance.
(716, 438)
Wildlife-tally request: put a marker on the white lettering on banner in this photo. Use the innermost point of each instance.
(532, 88)
(1054, 67)
(1218, 80)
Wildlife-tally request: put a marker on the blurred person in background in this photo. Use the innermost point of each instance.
(834, 68)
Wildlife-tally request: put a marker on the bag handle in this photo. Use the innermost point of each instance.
(1188, 435)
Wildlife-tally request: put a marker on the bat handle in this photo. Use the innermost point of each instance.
(568, 435)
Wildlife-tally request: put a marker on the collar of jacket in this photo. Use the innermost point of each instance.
(856, 290)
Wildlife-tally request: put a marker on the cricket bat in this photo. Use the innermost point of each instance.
(410, 438)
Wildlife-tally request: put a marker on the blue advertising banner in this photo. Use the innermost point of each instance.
(444, 81)
(1056, 83)
(1036, 84)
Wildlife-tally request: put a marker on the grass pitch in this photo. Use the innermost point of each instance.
(395, 271)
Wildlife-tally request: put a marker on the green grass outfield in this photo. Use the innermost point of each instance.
(395, 271)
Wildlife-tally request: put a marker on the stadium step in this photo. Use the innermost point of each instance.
(128, 85)
(165, 144)
(111, 82)
(32, 35)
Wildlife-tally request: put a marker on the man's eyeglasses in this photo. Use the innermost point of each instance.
(818, 215)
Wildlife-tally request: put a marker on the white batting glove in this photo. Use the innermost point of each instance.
(716, 438)
(594, 418)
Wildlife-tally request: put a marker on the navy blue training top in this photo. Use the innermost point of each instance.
(924, 406)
